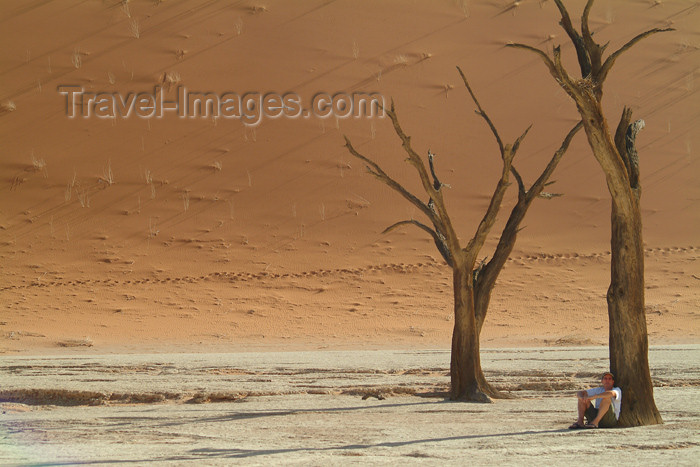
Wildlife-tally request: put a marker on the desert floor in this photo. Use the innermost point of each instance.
(311, 408)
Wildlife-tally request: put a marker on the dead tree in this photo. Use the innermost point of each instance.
(618, 159)
(472, 284)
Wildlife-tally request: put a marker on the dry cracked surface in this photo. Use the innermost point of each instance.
(313, 408)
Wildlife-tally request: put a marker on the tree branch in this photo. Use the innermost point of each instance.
(413, 156)
(541, 181)
(437, 184)
(620, 133)
(593, 50)
(481, 111)
(438, 238)
(489, 273)
(518, 178)
(443, 224)
(520, 139)
(630, 139)
(489, 218)
(545, 58)
(581, 52)
(521, 185)
(610, 61)
(377, 171)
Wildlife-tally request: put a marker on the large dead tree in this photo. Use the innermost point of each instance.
(472, 284)
(617, 156)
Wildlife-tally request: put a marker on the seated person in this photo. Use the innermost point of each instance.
(606, 411)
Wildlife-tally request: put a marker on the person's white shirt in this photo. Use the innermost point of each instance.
(616, 401)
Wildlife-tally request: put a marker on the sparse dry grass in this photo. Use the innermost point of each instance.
(76, 58)
(401, 60)
(170, 79)
(152, 231)
(84, 342)
(125, 8)
(83, 197)
(135, 28)
(39, 165)
(107, 174)
(8, 107)
(255, 9)
(186, 200)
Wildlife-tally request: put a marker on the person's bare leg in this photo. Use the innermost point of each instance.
(582, 406)
(602, 410)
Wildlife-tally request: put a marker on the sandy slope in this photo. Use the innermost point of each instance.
(216, 233)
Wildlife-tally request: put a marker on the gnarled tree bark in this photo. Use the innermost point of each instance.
(472, 286)
(618, 159)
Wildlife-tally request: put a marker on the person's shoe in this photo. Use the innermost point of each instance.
(576, 426)
(590, 425)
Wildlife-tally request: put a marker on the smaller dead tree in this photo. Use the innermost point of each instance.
(472, 284)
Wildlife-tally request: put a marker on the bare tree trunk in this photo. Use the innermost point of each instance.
(467, 379)
(628, 343)
(628, 328)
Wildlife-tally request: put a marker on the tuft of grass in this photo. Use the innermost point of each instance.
(8, 107)
(69, 188)
(447, 87)
(77, 58)
(107, 175)
(125, 8)
(135, 28)
(83, 197)
(152, 231)
(84, 342)
(464, 6)
(255, 9)
(401, 60)
(170, 79)
(186, 200)
(38, 164)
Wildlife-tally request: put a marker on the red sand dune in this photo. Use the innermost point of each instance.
(208, 231)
